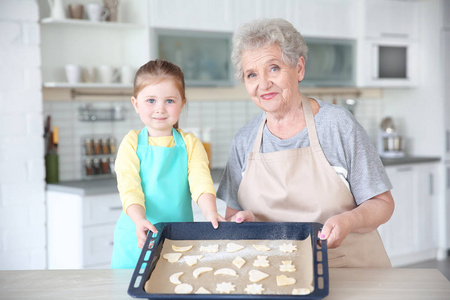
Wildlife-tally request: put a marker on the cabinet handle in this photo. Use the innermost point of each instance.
(116, 208)
(396, 35)
(404, 169)
(447, 140)
(448, 177)
(431, 184)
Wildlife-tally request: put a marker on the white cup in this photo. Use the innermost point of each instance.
(96, 12)
(73, 73)
(127, 75)
(107, 74)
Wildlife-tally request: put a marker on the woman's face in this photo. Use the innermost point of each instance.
(270, 82)
(159, 106)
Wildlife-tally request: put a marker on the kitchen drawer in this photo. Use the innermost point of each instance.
(101, 209)
(98, 245)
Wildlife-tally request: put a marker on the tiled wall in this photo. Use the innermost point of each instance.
(22, 185)
(224, 118)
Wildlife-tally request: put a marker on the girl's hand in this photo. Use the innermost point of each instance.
(242, 216)
(142, 228)
(214, 217)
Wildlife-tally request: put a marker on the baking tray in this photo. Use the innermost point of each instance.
(230, 231)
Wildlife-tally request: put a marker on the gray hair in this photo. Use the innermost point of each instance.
(265, 32)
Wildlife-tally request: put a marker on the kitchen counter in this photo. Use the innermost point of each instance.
(409, 160)
(101, 186)
(109, 186)
(345, 283)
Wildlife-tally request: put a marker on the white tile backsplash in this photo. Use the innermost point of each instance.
(224, 118)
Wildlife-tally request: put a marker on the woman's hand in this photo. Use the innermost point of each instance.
(142, 228)
(363, 219)
(239, 216)
(335, 230)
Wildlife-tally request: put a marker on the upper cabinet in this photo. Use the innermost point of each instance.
(397, 19)
(388, 44)
(88, 53)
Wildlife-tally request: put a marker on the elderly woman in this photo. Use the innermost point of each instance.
(303, 160)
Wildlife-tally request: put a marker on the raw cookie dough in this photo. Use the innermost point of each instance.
(184, 288)
(261, 262)
(210, 248)
(172, 257)
(254, 289)
(302, 291)
(199, 271)
(181, 249)
(225, 288)
(287, 266)
(202, 290)
(256, 276)
(239, 262)
(283, 280)
(226, 271)
(288, 248)
(261, 247)
(192, 259)
(175, 278)
(233, 247)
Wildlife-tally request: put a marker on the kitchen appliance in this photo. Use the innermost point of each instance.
(390, 62)
(390, 143)
(151, 253)
(331, 62)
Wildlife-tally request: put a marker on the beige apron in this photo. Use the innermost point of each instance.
(299, 185)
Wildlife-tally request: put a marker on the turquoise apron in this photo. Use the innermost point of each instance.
(164, 180)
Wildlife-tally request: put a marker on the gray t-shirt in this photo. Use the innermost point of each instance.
(343, 140)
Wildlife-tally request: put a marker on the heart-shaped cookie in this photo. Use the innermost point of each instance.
(283, 280)
(256, 275)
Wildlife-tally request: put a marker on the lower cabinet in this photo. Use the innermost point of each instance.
(80, 230)
(411, 235)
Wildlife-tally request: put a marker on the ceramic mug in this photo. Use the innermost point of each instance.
(96, 12)
(76, 11)
(73, 73)
(127, 75)
(107, 74)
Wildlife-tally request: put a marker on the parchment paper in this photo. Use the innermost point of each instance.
(302, 259)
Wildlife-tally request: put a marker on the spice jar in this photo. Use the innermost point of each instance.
(112, 145)
(105, 165)
(111, 163)
(88, 167)
(105, 146)
(97, 146)
(88, 146)
(96, 166)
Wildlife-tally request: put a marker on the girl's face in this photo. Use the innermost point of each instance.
(159, 106)
(271, 83)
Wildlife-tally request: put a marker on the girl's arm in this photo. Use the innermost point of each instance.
(207, 203)
(137, 214)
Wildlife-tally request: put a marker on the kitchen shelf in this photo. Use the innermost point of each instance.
(77, 22)
(66, 85)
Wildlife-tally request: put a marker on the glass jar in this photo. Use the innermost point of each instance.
(88, 167)
(105, 165)
(112, 145)
(97, 146)
(88, 146)
(96, 166)
(105, 146)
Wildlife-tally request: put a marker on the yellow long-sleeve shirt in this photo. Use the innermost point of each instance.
(127, 167)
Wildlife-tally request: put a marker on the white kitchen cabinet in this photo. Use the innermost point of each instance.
(411, 234)
(202, 15)
(391, 19)
(80, 229)
(92, 44)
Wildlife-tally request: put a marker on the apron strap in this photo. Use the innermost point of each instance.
(143, 137)
(310, 126)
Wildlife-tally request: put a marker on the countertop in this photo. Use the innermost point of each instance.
(345, 283)
(109, 186)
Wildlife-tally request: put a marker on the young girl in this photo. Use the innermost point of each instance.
(160, 168)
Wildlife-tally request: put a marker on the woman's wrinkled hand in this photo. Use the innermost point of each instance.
(336, 229)
(214, 217)
(142, 228)
(243, 216)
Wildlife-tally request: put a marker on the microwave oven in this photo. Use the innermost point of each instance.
(388, 63)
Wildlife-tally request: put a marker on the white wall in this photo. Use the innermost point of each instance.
(22, 187)
(418, 111)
